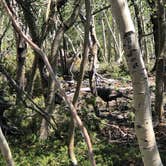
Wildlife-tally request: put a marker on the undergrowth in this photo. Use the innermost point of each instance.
(53, 152)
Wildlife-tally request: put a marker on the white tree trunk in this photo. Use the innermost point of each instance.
(118, 49)
(5, 150)
(104, 41)
(142, 103)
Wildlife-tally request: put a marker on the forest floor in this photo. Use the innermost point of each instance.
(111, 130)
(119, 117)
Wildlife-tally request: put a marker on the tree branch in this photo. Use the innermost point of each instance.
(17, 88)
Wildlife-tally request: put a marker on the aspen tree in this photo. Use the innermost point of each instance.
(5, 150)
(142, 102)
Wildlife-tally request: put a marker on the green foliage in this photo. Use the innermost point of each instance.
(131, 116)
(2, 162)
(114, 70)
(53, 152)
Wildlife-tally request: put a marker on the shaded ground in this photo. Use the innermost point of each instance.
(119, 118)
(111, 131)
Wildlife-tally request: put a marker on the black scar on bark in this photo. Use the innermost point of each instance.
(135, 65)
(128, 34)
(128, 40)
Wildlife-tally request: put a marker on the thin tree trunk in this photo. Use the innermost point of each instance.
(159, 94)
(5, 150)
(94, 47)
(48, 10)
(44, 128)
(142, 103)
(119, 57)
(79, 32)
(71, 43)
(21, 50)
(145, 45)
(139, 23)
(31, 79)
(117, 49)
(105, 54)
(160, 60)
(21, 58)
(79, 83)
(155, 25)
(110, 45)
(71, 142)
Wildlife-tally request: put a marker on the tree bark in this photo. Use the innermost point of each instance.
(79, 83)
(44, 128)
(94, 48)
(21, 50)
(139, 23)
(142, 103)
(159, 94)
(21, 59)
(31, 79)
(105, 54)
(5, 150)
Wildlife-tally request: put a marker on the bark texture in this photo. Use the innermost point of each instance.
(142, 103)
(21, 58)
(5, 150)
(159, 99)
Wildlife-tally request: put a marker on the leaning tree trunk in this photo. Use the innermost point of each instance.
(79, 83)
(5, 150)
(142, 103)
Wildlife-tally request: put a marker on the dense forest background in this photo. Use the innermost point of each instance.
(65, 84)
